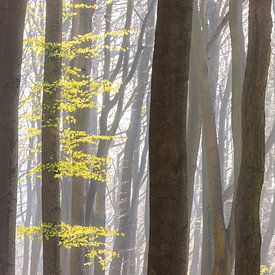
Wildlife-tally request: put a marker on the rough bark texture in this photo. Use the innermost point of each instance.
(167, 139)
(247, 223)
(12, 16)
(50, 138)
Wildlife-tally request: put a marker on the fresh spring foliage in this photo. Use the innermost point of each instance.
(77, 92)
(75, 237)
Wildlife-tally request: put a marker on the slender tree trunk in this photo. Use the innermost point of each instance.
(28, 217)
(247, 223)
(238, 69)
(82, 24)
(36, 243)
(51, 211)
(167, 139)
(146, 229)
(267, 238)
(12, 16)
(194, 267)
(193, 137)
(212, 153)
(134, 209)
(122, 245)
(207, 250)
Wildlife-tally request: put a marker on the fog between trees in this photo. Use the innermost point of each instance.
(137, 137)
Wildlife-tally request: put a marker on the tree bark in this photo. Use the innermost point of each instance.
(51, 210)
(12, 16)
(167, 139)
(247, 223)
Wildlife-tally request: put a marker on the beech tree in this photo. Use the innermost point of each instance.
(208, 201)
(51, 212)
(251, 178)
(12, 17)
(167, 139)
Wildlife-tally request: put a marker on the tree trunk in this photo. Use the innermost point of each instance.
(207, 250)
(267, 238)
(12, 16)
(212, 153)
(193, 137)
(247, 223)
(51, 210)
(167, 139)
(123, 245)
(82, 24)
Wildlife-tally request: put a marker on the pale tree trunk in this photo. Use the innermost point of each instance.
(212, 153)
(123, 245)
(51, 211)
(12, 16)
(36, 244)
(238, 69)
(29, 210)
(194, 267)
(82, 24)
(134, 209)
(207, 250)
(267, 237)
(247, 223)
(167, 139)
(193, 137)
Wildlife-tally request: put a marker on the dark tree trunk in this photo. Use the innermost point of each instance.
(167, 139)
(247, 223)
(51, 210)
(12, 16)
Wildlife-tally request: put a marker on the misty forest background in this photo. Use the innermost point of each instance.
(94, 94)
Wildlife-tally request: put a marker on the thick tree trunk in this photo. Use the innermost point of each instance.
(247, 223)
(12, 16)
(167, 139)
(51, 211)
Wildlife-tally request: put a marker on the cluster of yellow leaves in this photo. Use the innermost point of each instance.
(76, 236)
(70, 10)
(264, 270)
(85, 46)
(87, 6)
(76, 92)
(71, 139)
(83, 165)
(76, 162)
